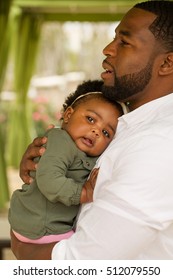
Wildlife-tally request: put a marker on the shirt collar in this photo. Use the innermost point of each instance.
(156, 108)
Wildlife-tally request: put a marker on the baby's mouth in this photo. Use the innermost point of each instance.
(87, 141)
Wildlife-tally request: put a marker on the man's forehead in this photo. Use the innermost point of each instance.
(136, 20)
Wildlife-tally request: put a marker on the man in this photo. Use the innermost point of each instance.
(131, 216)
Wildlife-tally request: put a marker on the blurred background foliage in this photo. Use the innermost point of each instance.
(46, 49)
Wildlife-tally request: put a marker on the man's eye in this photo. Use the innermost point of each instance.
(90, 119)
(106, 133)
(124, 42)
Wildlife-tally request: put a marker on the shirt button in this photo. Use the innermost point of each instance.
(88, 163)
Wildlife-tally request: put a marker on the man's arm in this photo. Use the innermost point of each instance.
(26, 251)
(27, 164)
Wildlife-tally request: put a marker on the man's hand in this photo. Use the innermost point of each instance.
(27, 164)
(88, 187)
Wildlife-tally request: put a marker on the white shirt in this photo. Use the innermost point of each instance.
(131, 216)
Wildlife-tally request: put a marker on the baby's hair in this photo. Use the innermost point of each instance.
(85, 87)
(88, 90)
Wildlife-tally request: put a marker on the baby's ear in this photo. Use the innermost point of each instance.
(67, 114)
(167, 64)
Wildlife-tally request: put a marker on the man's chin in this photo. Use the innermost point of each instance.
(108, 87)
(109, 91)
(108, 83)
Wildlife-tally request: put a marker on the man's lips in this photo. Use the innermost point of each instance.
(108, 71)
(107, 67)
(108, 75)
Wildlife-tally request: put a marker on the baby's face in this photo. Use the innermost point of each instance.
(92, 125)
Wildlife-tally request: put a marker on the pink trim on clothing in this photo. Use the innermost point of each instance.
(44, 239)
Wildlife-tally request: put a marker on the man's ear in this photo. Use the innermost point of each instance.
(67, 114)
(167, 65)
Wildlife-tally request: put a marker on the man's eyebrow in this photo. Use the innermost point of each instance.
(124, 32)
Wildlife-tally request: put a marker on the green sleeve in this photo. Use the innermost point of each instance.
(52, 167)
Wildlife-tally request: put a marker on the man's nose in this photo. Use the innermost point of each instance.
(110, 49)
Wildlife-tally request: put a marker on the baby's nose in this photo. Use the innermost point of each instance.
(96, 131)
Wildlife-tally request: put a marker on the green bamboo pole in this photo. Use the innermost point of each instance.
(4, 190)
(4, 38)
(4, 50)
(20, 122)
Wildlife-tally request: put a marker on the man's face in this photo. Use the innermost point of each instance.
(129, 57)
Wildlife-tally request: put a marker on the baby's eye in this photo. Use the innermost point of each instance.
(106, 133)
(90, 119)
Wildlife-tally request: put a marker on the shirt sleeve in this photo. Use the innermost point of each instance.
(128, 209)
(52, 168)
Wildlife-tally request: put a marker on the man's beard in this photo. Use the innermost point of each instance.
(128, 85)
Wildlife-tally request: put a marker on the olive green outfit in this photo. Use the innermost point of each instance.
(50, 204)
